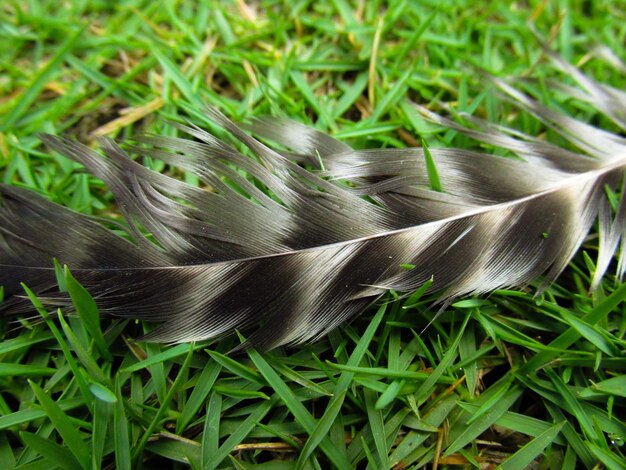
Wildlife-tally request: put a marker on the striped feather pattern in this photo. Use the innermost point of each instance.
(287, 248)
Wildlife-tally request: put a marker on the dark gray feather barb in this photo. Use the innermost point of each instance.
(298, 252)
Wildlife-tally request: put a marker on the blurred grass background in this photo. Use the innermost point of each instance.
(509, 380)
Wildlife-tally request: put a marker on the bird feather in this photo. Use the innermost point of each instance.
(295, 242)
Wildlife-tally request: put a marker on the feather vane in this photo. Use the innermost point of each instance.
(300, 251)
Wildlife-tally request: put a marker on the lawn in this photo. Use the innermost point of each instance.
(512, 379)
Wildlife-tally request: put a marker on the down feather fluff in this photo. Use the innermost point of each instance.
(299, 241)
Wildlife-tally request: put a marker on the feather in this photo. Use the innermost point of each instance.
(295, 252)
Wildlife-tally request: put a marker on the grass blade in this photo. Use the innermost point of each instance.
(71, 437)
(52, 451)
(525, 456)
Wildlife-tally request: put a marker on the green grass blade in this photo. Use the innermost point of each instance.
(529, 452)
(614, 386)
(24, 370)
(198, 396)
(52, 451)
(211, 433)
(243, 429)
(299, 412)
(71, 437)
(485, 421)
(102, 412)
(87, 311)
(431, 168)
(426, 388)
(163, 408)
(334, 406)
(121, 436)
(377, 427)
(611, 460)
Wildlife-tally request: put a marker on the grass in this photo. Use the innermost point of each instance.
(508, 380)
